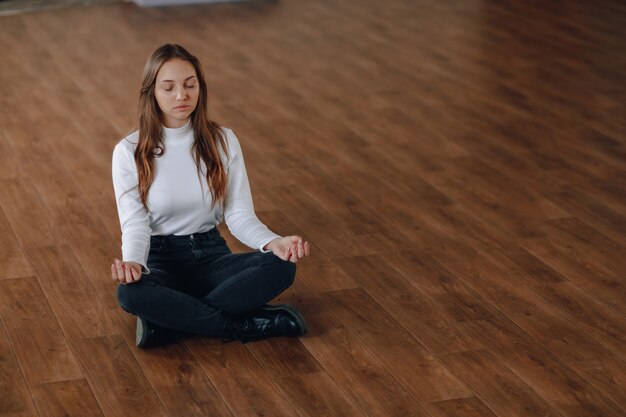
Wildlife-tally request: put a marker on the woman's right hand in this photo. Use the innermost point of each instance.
(125, 272)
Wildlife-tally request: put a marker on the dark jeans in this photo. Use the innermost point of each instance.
(195, 281)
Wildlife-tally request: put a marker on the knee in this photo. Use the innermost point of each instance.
(281, 271)
(286, 270)
(128, 297)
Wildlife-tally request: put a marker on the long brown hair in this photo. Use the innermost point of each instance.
(206, 132)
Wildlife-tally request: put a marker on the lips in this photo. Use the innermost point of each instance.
(181, 107)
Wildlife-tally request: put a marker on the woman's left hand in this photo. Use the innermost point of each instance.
(289, 248)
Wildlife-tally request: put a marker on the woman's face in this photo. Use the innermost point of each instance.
(176, 91)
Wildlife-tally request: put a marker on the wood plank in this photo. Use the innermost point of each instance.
(95, 258)
(527, 268)
(343, 242)
(239, 378)
(496, 386)
(418, 313)
(282, 357)
(27, 214)
(16, 400)
(588, 274)
(605, 325)
(489, 206)
(606, 374)
(453, 296)
(39, 343)
(400, 214)
(66, 398)
(586, 242)
(13, 264)
(316, 394)
(348, 361)
(553, 380)
(399, 351)
(593, 212)
(337, 199)
(117, 381)
(174, 374)
(462, 407)
(527, 310)
(74, 301)
(8, 160)
(324, 276)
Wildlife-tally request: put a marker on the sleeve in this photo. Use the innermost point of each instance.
(239, 212)
(134, 219)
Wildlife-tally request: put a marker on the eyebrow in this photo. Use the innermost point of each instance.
(171, 81)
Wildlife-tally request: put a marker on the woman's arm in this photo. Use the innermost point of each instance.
(241, 219)
(133, 217)
(239, 212)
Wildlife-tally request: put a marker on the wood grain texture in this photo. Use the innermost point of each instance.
(66, 398)
(556, 382)
(16, 400)
(462, 407)
(608, 374)
(284, 357)
(175, 375)
(459, 169)
(13, 264)
(240, 379)
(39, 343)
(316, 394)
(434, 327)
(118, 383)
(367, 382)
(497, 386)
(72, 298)
(409, 361)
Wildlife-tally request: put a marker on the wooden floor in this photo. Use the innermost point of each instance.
(459, 168)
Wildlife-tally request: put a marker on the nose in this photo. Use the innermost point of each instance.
(182, 94)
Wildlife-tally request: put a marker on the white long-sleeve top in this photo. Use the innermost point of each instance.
(179, 201)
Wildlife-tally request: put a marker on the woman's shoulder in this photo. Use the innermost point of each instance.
(232, 139)
(130, 140)
(125, 147)
(232, 143)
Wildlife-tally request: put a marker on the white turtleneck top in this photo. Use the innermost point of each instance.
(179, 201)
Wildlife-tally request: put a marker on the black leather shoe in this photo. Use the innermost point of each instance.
(151, 335)
(280, 320)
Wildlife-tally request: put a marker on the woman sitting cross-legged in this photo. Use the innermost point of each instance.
(175, 179)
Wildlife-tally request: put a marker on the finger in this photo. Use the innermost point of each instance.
(300, 249)
(138, 273)
(113, 272)
(306, 248)
(119, 271)
(128, 274)
(131, 272)
(294, 256)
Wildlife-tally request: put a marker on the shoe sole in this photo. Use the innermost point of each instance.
(294, 313)
(140, 337)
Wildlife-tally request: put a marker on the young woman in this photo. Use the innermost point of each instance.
(175, 179)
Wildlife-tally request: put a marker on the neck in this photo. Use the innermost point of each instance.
(175, 123)
(178, 135)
